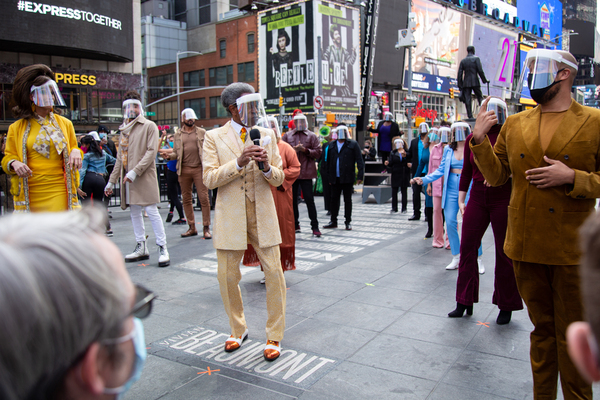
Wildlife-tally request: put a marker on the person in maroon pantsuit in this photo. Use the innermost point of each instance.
(486, 204)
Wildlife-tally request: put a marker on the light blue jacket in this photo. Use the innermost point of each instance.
(94, 163)
(443, 170)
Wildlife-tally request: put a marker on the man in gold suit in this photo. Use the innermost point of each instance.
(245, 210)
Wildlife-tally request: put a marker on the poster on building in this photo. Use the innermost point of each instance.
(497, 49)
(339, 29)
(442, 37)
(545, 14)
(286, 55)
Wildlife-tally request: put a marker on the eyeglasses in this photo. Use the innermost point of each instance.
(143, 302)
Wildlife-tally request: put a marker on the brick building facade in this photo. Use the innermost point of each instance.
(235, 60)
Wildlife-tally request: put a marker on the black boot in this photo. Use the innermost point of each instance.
(429, 215)
(460, 310)
(503, 317)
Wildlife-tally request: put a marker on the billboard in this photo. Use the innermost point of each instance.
(339, 28)
(87, 29)
(442, 36)
(288, 56)
(545, 14)
(497, 49)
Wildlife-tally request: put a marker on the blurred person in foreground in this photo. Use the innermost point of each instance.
(582, 337)
(135, 168)
(245, 212)
(552, 153)
(71, 318)
(41, 151)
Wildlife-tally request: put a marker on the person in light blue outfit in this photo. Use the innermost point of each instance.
(93, 171)
(422, 170)
(450, 169)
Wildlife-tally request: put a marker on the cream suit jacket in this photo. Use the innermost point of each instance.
(222, 147)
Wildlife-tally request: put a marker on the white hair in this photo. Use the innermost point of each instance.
(234, 91)
(58, 294)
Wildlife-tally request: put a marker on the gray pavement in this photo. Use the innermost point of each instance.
(366, 318)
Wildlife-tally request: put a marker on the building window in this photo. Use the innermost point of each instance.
(198, 105)
(220, 76)
(203, 11)
(250, 42)
(233, 4)
(246, 72)
(193, 79)
(166, 113)
(216, 108)
(223, 48)
(162, 86)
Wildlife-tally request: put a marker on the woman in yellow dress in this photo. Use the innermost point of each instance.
(41, 149)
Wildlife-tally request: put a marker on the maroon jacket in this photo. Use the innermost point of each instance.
(310, 141)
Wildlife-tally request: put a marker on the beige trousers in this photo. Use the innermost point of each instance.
(229, 276)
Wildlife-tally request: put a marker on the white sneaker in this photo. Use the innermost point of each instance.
(263, 280)
(139, 253)
(480, 265)
(454, 263)
(163, 256)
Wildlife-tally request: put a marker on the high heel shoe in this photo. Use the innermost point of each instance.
(460, 310)
(503, 317)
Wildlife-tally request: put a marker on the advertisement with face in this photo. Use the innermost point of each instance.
(442, 36)
(339, 28)
(286, 55)
(496, 48)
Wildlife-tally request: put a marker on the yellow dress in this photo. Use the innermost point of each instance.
(47, 185)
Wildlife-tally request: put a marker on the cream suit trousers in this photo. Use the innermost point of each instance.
(229, 277)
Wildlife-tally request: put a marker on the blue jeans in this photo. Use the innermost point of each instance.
(451, 213)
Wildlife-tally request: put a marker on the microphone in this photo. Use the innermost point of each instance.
(255, 136)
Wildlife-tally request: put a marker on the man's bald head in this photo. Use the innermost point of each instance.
(569, 57)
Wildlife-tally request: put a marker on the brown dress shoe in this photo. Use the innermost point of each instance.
(190, 232)
(272, 350)
(207, 234)
(234, 343)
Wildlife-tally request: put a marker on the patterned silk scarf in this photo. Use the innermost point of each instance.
(49, 134)
(124, 141)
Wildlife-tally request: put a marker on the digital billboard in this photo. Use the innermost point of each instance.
(545, 14)
(497, 49)
(88, 29)
(442, 36)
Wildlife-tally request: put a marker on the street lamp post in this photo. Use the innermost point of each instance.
(177, 73)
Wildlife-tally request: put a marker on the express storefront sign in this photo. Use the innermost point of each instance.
(75, 79)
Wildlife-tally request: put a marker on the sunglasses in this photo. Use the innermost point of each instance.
(143, 302)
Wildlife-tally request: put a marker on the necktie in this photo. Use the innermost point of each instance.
(243, 135)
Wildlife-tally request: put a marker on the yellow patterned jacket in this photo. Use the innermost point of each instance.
(222, 146)
(15, 145)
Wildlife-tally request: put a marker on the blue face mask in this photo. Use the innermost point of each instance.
(171, 143)
(139, 344)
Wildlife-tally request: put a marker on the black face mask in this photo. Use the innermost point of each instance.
(538, 94)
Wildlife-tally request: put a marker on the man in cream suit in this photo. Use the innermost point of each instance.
(245, 211)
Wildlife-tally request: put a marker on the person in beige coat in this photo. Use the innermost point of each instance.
(245, 211)
(135, 168)
(187, 150)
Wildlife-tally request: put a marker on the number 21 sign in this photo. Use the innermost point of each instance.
(506, 67)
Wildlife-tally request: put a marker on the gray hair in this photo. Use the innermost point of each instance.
(58, 295)
(233, 92)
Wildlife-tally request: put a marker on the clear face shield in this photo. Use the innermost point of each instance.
(188, 114)
(343, 133)
(301, 122)
(460, 131)
(388, 116)
(132, 109)
(434, 136)
(270, 123)
(540, 70)
(398, 144)
(499, 108)
(250, 109)
(423, 128)
(47, 95)
(444, 133)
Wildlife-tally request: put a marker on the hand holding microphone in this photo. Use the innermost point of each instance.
(255, 136)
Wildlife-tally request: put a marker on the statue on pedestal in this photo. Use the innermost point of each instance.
(470, 67)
